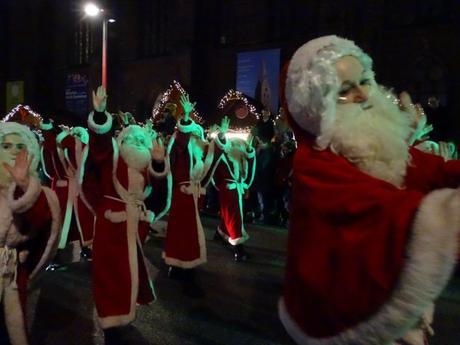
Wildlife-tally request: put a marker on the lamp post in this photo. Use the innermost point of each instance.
(92, 10)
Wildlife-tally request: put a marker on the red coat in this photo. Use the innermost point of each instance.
(29, 231)
(64, 164)
(366, 259)
(185, 243)
(232, 181)
(120, 274)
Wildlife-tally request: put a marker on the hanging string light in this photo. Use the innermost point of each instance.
(233, 95)
(166, 98)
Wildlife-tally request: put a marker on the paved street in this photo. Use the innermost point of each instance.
(239, 308)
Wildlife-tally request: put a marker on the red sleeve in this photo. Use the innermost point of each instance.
(428, 172)
(100, 147)
(37, 218)
(346, 227)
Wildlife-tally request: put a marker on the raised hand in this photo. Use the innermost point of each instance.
(187, 106)
(224, 124)
(415, 110)
(20, 171)
(158, 150)
(100, 99)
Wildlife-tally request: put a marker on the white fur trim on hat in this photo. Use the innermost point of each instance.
(312, 83)
(100, 129)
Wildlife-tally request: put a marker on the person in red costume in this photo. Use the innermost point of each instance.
(124, 170)
(374, 222)
(232, 174)
(190, 157)
(63, 159)
(29, 226)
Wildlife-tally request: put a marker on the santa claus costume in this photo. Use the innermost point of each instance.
(63, 159)
(232, 175)
(29, 228)
(374, 223)
(122, 168)
(186, 249)
(190, 158)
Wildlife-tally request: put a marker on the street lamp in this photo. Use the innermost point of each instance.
(92, 10)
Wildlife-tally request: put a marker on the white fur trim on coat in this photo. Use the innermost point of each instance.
(51, 245)
(100, 129)
(431, 256)
(28, 199)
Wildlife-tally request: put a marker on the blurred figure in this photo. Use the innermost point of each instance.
(374, 222)
(29, 227)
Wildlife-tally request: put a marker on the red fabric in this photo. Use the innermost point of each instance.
(111, 273)
(36, 223)
(181, 242)
(348, 235)
(231, 221)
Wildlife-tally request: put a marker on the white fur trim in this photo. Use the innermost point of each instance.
(100, 129)
(192, 127)
(183, 264)
(51, 245)
(251, 153)
(163, 173)
(28, 199)
(221, 145)
(60, 137)
(46, 126)
(431, 256)
(233, 241)
(68, 212)
(42, 160)
(14, 317)
(115, 217)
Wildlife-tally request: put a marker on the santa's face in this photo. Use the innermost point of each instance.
(135, 150)
(369, 128)
(11, 146)
(355, 81)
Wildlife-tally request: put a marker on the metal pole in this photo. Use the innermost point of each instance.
(104, 53)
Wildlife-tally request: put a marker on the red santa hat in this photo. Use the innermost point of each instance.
(311, 84)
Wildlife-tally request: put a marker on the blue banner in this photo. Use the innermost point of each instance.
(76, 93)
(258, 76)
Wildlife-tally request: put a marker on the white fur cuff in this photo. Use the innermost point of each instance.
(221, 145)
(251, 153)
(100, 129)
(187, 128)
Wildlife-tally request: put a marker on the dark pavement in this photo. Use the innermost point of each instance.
(240, 307)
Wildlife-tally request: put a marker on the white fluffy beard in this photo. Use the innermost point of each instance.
(373, 136)
(135, 157)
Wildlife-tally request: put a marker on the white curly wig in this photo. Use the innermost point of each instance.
(312, 83)
(33, 147)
